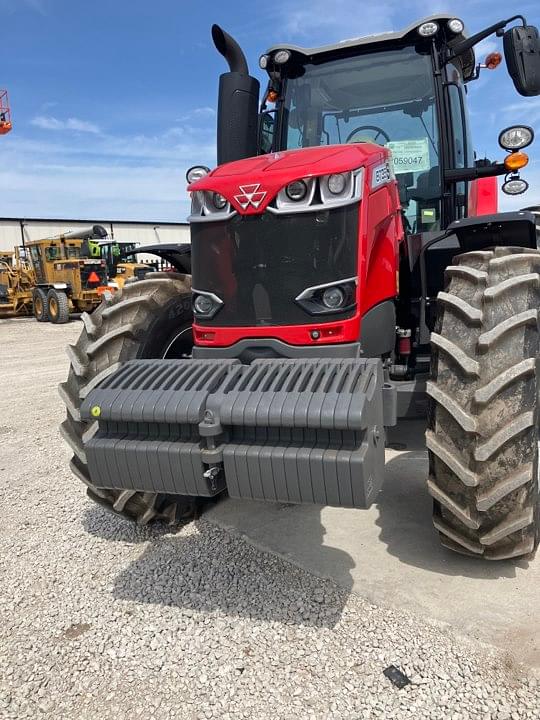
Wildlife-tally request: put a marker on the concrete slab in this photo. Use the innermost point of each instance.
(390, 554)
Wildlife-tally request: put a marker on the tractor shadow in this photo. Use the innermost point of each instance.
(404, 513)
(206, 568)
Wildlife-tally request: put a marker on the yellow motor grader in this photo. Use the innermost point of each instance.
(16, 282)
(67, 280)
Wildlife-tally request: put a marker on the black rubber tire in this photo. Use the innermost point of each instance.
(57, 307)
(40, 306)
(138, 322)
(483, 421)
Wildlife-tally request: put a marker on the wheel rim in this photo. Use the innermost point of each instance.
(38, 304)
(180, 345)
(53, 307)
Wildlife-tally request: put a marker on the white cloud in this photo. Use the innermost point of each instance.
(317, 20)
(119, 177)
(11, 6)
(47, 122)
(199, 114)
(527, 111)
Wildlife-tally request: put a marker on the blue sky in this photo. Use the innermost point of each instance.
(113, 100)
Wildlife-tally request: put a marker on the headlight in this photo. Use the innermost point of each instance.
(337, 183)
(515, 186)
(263, 62)
(333, 298)
(428, 29)
(516, 137)
(455, 25)
(336, 297)
(205, 304)
(338, 187)
(296, 190)
(281, 57)
(196, 173)
(334, 190)
(219, 201)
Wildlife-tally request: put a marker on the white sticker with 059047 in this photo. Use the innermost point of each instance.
(410, 155)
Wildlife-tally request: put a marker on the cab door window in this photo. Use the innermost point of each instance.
(460, 143)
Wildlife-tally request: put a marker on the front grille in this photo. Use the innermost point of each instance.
(258, 265)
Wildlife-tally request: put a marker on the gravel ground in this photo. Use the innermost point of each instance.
(100, 619)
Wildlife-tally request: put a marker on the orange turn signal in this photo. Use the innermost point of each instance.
(516, 161)
(493, 60)
(272, 96)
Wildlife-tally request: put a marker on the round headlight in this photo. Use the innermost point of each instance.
(333, 298)
(428, 29)
(337, 183)
(296, 190)
(515, 187)
(218, 201)
(456, 25)
(203, 304)
(196, 173)
(281, 57)
(263, 62)
(516, 137)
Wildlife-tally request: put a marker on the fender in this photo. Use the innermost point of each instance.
(510, 228)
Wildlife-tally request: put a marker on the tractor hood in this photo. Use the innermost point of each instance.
(264, 176)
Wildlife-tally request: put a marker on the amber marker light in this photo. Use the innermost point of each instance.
(493, 60)
(516, 161)
(272, 96)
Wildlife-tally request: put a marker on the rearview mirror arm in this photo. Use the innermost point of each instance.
(466, 174)
(468, 43)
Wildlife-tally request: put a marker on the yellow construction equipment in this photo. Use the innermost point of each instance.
(17, 280)
(122, 270)
(67, 280)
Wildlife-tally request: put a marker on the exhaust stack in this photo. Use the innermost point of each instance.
(238, 101)
(94, 232)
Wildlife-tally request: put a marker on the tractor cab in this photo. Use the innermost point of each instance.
(405, 91)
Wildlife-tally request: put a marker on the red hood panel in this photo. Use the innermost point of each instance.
(263, 177)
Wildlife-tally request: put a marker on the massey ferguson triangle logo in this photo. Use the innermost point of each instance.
(250, 195)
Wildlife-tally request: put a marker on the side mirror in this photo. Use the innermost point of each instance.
(522, 55)
(267, 126)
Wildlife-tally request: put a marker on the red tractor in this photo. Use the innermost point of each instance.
(349, 268)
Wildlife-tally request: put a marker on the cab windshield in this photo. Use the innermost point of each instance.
(386, 97)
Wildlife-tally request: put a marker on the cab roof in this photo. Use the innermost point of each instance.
(467, 60)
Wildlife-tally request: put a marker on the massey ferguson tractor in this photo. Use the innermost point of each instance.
(348, 262)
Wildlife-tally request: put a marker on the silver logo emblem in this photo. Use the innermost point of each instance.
(250, 195)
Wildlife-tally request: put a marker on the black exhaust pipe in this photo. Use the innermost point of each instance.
(238, 102)
(230, 49)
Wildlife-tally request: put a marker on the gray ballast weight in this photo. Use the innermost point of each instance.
(300, 431)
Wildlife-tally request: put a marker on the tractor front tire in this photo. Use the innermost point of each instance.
(57, 307)
(483, 420)
(40, 306)
(148, 319)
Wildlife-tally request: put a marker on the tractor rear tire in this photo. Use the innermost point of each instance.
(148, 319)
(57, 307)
(483, 419)
(40, 306)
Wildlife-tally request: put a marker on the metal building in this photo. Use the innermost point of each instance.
(18, 231)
